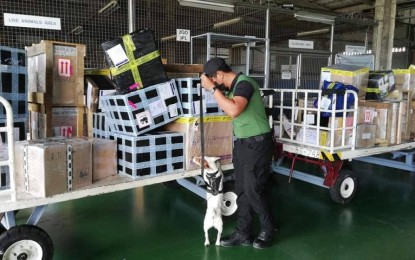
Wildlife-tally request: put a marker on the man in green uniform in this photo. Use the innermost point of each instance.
(239, 96)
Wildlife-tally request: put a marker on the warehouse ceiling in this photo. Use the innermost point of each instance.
(344, 6)
(324, 6)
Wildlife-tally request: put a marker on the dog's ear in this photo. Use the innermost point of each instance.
(197, 160)
(216, 159)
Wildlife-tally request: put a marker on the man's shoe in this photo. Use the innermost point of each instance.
(264, 240)
(236, 239)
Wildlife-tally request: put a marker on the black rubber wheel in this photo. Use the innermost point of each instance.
(2, 229)
(26, 242)
(344, 188)
(229, 206)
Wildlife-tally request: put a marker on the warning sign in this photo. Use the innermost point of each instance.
(66, 131)
(64, 68)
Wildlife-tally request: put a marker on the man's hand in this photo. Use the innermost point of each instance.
(206, 82)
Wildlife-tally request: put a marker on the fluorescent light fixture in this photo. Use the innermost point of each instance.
(227, 22)
(109, 7)
(313, 17)
(167, 38)
(208, 5)
(244, 44)
(314, 32)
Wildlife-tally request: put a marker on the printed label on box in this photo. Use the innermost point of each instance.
(64, 50)
(325, 75)
(64, 67)
(309, 119)
(165, 92)
(144, 119)
(117, 55)
(208, 97)
(368, 116)
(173, 111)
(325, 103)
(196, 107)
(157, 107)
(66, 131)
(366, 136)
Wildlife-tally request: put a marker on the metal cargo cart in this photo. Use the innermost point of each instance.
(28, 241)
(329, 151)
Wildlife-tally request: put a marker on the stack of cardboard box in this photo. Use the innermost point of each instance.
(56, 89)
(218, 129)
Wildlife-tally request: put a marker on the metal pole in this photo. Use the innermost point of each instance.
(248, 56)
(208, 47)
(267, 54)
(331, 44)
(131, 16)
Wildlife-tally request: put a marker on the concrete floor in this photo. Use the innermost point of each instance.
(155, 222)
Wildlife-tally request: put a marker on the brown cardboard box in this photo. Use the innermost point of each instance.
(308, 135)
(348, 74)
(365, 136)
(47, 165)
(385, 117)
(218, 132)
(403, 122)
(310, 117)
(104, 158)
(405, 78)
(365, 114)
(56, 73)
(81, 161)
(46, 168)
(60, 121)
(338, 134)
(412, 120)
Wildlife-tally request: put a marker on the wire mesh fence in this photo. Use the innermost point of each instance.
(92, 22)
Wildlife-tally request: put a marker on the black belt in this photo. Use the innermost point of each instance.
(256, 138)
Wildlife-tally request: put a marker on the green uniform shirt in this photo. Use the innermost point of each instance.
(253, 120)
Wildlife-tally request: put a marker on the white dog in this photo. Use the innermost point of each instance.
(213, 177)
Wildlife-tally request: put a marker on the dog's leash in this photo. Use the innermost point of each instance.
(202, 130)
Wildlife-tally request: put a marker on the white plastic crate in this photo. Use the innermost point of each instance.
(143, 110)
(100, 127)
(150, 154)
(13, 80)
(190, 98)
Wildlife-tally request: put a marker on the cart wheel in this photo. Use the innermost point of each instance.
(26, 242)
(2, 229)
(229, 206)
(344, 188)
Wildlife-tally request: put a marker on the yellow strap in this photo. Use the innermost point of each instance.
(346, 73)
(372, 90)
(133, 63)
(206, 119)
